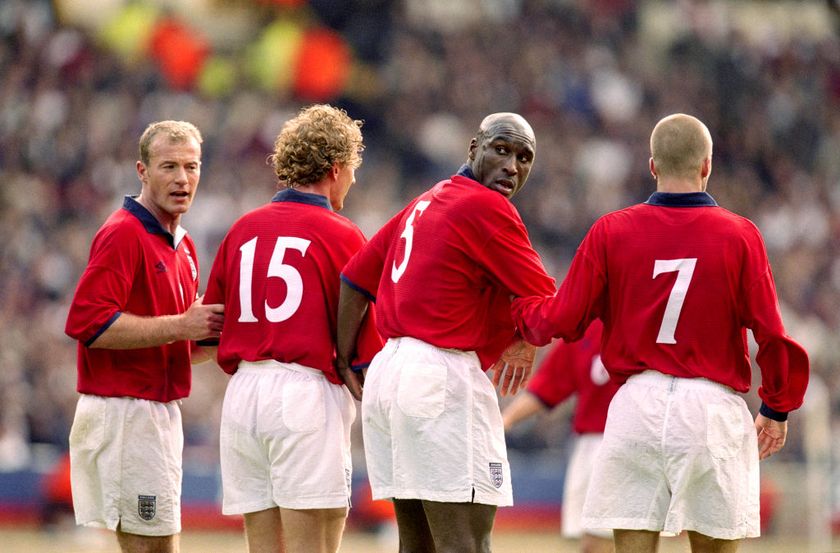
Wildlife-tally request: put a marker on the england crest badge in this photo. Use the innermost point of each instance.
(193, 269)
(496, 474)
(146, 506)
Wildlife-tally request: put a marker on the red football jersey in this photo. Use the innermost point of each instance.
(443, 269)
(135, 267)
(676, 280)
(576, 368)
(277, 272)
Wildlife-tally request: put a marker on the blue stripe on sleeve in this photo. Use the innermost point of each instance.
(105, 327)
(358, 288)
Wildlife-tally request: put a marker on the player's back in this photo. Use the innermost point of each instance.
(451, 264)
(278, 269)
(678, 282)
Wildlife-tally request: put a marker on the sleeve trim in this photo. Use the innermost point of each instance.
(358, 288)
(359, 367)
(103, 328)
(772, 413)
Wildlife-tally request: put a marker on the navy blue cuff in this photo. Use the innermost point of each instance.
(359, 368)
(771, 414)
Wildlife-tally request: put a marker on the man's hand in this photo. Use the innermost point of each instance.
(353, 380)
(771, 435)
(513, 369)
(202, 321)
(130, 331)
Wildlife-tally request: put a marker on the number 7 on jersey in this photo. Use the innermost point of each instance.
(685, 270)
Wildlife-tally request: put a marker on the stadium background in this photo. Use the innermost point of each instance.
(82, 78)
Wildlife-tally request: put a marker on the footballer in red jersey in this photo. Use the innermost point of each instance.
(134, 314)
(277, 271)
(286, 419)
(677, 281)
(442, 272)
(135, 267)
(447, 279)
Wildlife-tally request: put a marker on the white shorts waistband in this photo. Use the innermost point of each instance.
(670, 382)
(395, 343)
(259, 366)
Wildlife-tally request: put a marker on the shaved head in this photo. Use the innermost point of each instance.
(679, 145)
(513, 123)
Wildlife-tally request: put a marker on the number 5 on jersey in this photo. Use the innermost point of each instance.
(685, 270)
(408, 235)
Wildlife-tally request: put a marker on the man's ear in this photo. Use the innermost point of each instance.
(652, 167)
(471, 151)
(706, 168)
(142, 174)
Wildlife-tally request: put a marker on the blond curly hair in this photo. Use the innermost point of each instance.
(309, 145)
(177, 131)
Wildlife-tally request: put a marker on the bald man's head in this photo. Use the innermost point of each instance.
(679, 146)
(502, 152)
(507, 122)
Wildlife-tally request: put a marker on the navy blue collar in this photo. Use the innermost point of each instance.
(150, 222)
(465, 171)
(292, 195)
(681, 199)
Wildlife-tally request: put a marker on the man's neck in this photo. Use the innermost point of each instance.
(680, 185)
(321, 187)
(168, 221)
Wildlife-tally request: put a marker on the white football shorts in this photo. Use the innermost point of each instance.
(432, 427)
(678, 454)
(284, 439)
(578, 473)
(125, 464)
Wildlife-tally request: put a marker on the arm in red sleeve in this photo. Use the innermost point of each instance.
(578, 301)
(509, 256)
(783, 362)
(105, 286)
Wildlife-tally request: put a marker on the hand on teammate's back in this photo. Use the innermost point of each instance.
(203, 321)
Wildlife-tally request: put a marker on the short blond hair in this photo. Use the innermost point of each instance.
(177, 131)
(679, 144)
(309, 145)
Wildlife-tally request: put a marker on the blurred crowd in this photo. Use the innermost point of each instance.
(593, 77)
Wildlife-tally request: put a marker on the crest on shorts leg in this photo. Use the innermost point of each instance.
(146, 506)
(496, 474)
